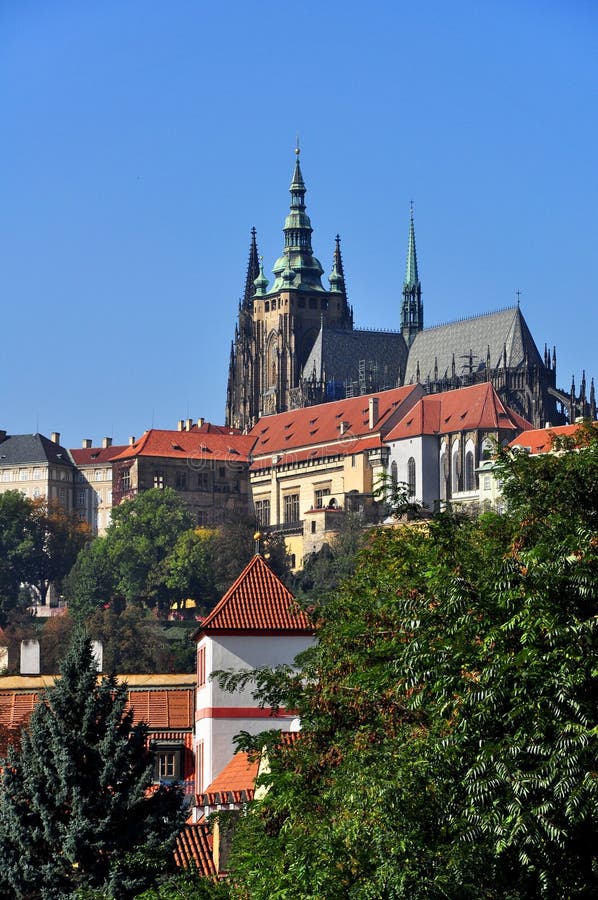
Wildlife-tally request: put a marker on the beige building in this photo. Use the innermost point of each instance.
(37, 466)
(206, 464)
(312, 465)
(92, 490)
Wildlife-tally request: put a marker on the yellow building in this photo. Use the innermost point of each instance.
(310, 466)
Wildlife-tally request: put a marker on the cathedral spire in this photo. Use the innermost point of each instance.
(337, 276)
(253, 270)
(412, 310)
(297, 255)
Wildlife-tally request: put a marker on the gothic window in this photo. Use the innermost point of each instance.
(411, 476)
(469, 473)
(455, 480)
(394, 475)
(291, 508)
(267, 306)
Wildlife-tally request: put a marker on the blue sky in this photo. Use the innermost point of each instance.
(143, 140)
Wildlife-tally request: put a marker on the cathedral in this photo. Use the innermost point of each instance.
(295, 344)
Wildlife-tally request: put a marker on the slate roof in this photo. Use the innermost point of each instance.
(193, 849)
(18, 449)
(464, 409)
(257, 603)
(539, 440)
(495, 330)
(336, 355)
(195, 444)
(306, 432)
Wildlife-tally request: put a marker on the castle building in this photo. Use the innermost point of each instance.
(295, 344)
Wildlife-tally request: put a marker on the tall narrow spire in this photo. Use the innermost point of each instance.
(412, 310)
(297, 254)
(253, 270)
(337, 276)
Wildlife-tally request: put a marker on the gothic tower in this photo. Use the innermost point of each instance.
(412, 310)
(278, 325)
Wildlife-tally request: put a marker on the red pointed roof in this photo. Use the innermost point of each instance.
(89, 456)
(257, 603)
(235, 784)
(478, 406)
(197, 444)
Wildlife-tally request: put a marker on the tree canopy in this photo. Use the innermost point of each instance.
(75, 813)
(449, 742)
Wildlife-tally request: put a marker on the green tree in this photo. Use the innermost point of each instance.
(449, 741)
(91, 582)
(188, 569)
(74, 808)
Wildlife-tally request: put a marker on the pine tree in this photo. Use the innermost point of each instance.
(75, 812)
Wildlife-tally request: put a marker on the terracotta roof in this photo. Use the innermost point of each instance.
(321, 424)
(539, 440)
(194, 849)
(258, 601)
(346, 446)
(235, 784)
(89, 456)
(195, 444)
(478, 406)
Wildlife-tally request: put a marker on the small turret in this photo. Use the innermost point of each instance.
(337, 276)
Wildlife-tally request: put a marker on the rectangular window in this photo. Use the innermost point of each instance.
(319, 496)
(203, 517)
(125, 480)
(24, 474)
(180, 481)
(262, 512)
(97, 474)
(486, 482)
(221, 472)
(167, 762)
(159, 480)
(203, 481)
(6, 475)
(37, 473)
(81, 498)
(201, 666)
(199, 779)
(291, 508)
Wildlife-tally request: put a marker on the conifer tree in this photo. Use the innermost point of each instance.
(75, 813)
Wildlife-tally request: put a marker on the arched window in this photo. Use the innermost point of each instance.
(455, 469)
(469, 473)
(411, 476)
(394, 475)
(444, 473)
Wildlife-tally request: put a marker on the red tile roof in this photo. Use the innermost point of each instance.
(194, 849)
(235, 784)
(89, 456)
(258, 602)
(539, 440)
(319, 427)
(478, 406)
(196, 445)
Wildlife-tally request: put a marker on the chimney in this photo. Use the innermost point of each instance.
(189, 424)
(131, 440)
(30, 658)
(87, 443)
(373, 405)
(200, 422)
(55, 437)
(106, 442)
(181, 425)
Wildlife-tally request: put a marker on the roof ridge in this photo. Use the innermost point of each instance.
(458, 321)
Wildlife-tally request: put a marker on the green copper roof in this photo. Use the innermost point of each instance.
(337, 276)
(297, 267)
(261, 282)
(411, 276)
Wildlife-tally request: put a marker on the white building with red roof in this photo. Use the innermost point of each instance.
(256, 623)
(92, 491)
(438, 447)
